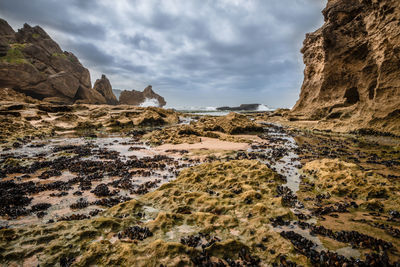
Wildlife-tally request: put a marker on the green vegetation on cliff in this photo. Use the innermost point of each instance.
(15, 55)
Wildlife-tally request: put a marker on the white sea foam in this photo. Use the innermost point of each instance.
(263, 108)
(197, 108)
(150, 102)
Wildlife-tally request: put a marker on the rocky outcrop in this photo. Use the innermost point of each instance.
(246, 107)
(33, 64)
(136, 98)
(103, 86)
(352, 74)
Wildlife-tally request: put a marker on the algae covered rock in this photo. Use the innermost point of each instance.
(233, 123)
(153, 229)
(348, 180)
(175, 135)
(150, 116)
(211, 127)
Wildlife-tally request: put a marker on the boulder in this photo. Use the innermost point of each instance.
(103, 86)
(136, 98)
(87, 95)
(65, 83)
(233, 123)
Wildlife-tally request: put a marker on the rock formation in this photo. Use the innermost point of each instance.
(33, 64)
(136, 97)
(352, 74)
(246, 107)
(103, 86)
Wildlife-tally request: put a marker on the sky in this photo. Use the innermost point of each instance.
(193, 52)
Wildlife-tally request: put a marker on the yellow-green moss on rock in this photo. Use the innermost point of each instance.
(231, 200)
(347, 180)
(223, 128)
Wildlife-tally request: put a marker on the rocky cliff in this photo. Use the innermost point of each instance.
(33, 64)
(136, 97)
(352, 74)
(103, 86)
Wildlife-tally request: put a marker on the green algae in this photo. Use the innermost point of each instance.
(223, 128)
(14, 54)
(199, 200)
(348, 180)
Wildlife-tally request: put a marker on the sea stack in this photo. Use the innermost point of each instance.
(136, 97)
(103, 86)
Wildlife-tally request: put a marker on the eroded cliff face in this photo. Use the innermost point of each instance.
(136, 97)
(33, 64)
(352, 74)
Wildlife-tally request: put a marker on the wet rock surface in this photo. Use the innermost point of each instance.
(327, 258)
(135, 233)
(35, 120)
(79, 175)
(291, 198)
(224, 128)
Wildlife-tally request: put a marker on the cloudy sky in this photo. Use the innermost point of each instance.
(193, 52)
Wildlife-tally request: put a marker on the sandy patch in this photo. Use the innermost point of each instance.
(250, 137)
(206, 143)
(32, 261)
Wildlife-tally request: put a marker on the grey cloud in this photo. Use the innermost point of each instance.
(133, 68)
(141, 42)
(55, 14)
(193, 52)
(91, 53)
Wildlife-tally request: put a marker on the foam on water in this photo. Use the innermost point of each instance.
(263, 108)
(150, 102)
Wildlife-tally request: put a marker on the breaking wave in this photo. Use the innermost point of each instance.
(150, 102)
(263, 108)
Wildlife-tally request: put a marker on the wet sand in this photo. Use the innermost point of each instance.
(205, 144)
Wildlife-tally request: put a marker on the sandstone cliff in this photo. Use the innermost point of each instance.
(33, 64)
(352, 74)
(136, 97)
(103, 86)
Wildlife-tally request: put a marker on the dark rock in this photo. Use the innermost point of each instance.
(103, 86)
(242, 107)
(102, 191)
(135, 233)
(35, 65)
(136, 97)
